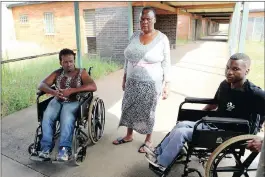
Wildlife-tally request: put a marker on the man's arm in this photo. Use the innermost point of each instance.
(46, 84)
(210, 107)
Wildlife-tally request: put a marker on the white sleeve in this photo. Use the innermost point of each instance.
(166, 63)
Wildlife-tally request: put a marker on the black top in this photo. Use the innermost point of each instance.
(240, 103)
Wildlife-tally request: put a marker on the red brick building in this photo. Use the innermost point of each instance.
(103, 25)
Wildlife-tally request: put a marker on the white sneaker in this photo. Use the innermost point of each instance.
(151, 159)
(150, 151)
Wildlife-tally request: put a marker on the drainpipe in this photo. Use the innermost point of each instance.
(130, 20)
(243, 29)
(77, 33)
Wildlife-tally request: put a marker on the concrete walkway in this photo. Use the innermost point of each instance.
(217, 36)
(197, 70)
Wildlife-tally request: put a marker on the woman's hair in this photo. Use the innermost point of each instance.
(150, 9)
(66, 52)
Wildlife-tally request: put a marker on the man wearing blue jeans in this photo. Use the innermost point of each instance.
(69, 82)
(236, 97)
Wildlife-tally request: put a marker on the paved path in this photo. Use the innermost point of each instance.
(197, 70)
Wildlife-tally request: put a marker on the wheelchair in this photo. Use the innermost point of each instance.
(216, 146)
(90, 116)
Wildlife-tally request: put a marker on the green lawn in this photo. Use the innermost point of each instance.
(256, 52)
(20, 79)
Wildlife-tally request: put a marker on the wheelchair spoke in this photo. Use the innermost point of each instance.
(228, 169)
(237, 159)
(246, 174)
(250, 159)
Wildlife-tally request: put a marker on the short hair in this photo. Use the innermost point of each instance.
(66, 51)
(241, 56)
(150, 9)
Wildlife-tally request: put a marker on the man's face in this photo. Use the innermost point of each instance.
(236, 70)
(147, 21)
(68, 63)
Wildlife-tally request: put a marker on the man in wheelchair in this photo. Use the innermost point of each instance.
(69, 82)
(236, 97)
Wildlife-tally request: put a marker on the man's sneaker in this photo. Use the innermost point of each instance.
(45, 155)
(151, 159)
(64, 154)
(182, 156)
(150, 151)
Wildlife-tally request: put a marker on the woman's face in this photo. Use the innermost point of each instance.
(147, 21)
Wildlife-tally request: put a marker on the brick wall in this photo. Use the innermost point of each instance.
(136, 18)
(34, 30)
(112, 31)
(64, 23)
(167, 24)
(256, 14)
(183, 27)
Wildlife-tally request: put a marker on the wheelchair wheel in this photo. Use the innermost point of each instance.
(96, 119)
(31, 149)
(79, 148)
(226, 159)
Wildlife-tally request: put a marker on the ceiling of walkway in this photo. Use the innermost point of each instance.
(216, 11)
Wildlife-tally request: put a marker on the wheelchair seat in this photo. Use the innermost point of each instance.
(90, 115)
(217, 131)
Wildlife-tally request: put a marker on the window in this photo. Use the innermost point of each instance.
(48, 23)
(90, 23)
(24, 19)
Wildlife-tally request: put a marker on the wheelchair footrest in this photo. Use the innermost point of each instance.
(156, 170)
(191, 170)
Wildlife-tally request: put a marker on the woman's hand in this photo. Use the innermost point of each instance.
(123, 85)
(165, 92)
(123, 82)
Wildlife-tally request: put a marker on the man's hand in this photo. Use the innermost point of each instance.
(254, 145)
(165, 92)
(66, 92)
(58, 95)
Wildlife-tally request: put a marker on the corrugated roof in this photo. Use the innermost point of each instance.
(25, 3)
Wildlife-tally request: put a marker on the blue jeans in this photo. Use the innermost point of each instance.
(66, 111)
(174, 142)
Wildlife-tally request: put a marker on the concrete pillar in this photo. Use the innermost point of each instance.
(235, 28)
(243, 29)
(130, 20)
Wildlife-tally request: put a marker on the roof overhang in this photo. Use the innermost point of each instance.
(215, 11)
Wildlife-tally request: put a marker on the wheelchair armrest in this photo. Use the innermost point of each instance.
(224, 120)
(82, 96)
(40, 93)
(199, 100)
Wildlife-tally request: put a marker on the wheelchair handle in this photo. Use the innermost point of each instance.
(89, 70)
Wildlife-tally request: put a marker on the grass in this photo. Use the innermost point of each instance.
(182, 42)
(20, 79)
(255, 50)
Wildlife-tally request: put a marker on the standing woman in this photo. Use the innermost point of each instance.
(147, 64)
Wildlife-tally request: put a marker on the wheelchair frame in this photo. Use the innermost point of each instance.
(91, 114)
(206, 151)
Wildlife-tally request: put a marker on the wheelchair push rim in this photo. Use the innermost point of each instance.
(228, 150)
(96, 119)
